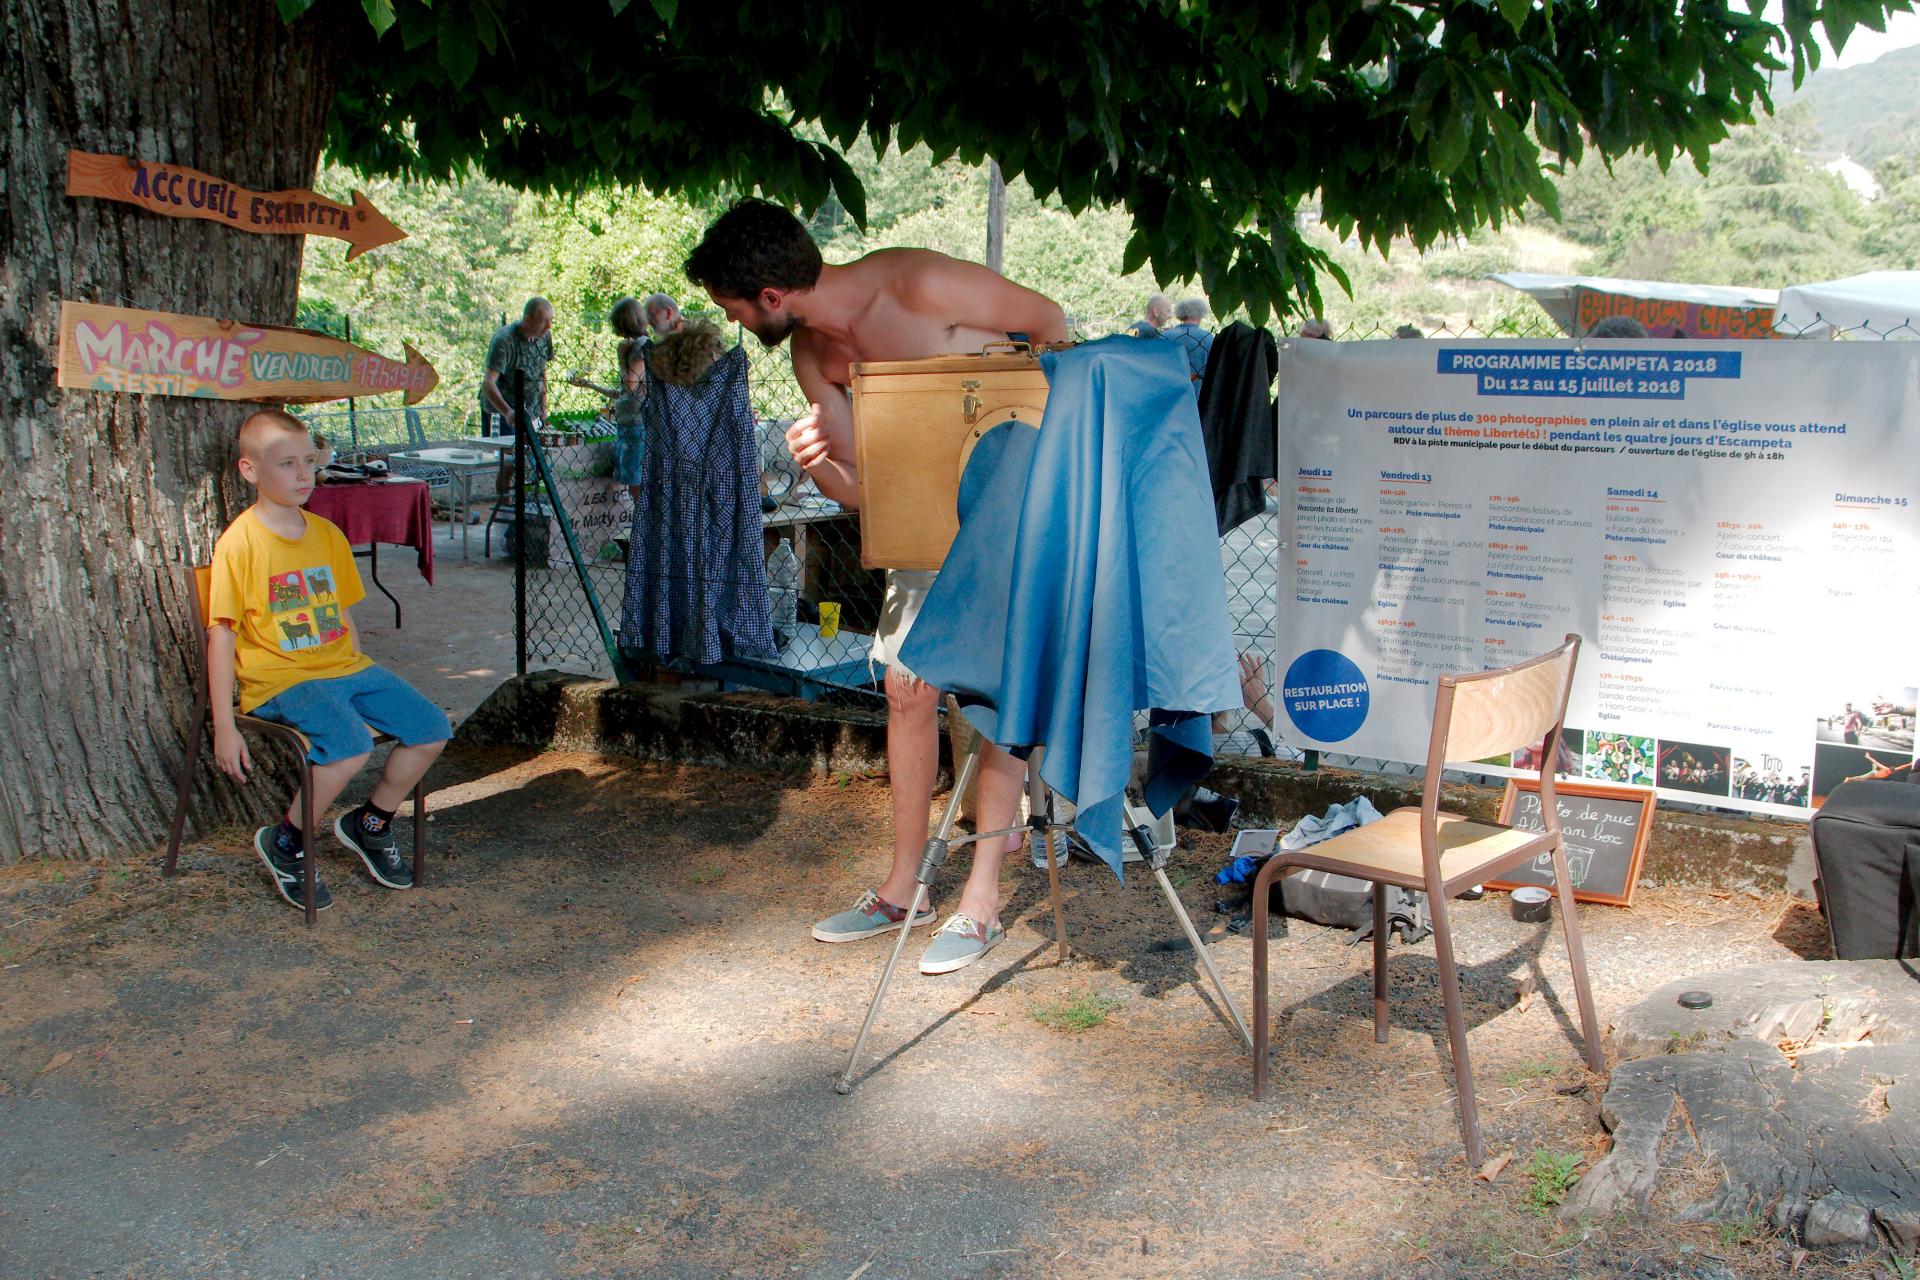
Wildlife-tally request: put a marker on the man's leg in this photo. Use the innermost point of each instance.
(913, 760)
(1002, 777)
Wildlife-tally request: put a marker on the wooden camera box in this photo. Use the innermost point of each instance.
(915, 425)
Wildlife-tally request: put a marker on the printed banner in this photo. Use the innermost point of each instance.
(1732, 528)
(179, 192)
(1668, 318)
(155, 353)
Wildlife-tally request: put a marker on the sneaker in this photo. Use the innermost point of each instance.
(372, 838)
(863, 919)
(959, 942)
(285, 864)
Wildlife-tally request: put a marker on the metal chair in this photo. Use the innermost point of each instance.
(199, 578)
(1475, 716)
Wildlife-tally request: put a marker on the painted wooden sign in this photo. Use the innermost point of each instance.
(155, 353)
(188, 193)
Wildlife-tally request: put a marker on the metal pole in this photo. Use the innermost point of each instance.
(996, 216)
(353, 420)
(520, 521)
(929, 863)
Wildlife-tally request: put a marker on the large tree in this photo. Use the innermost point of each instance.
(1208, 121)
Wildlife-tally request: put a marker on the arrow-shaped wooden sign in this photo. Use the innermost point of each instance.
(154, 353)
(188, 193)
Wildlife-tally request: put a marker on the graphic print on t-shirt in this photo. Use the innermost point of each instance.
(304, 609)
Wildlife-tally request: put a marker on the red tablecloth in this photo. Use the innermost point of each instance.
(393, 511)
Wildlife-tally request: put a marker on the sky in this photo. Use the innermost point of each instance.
(1864, 46)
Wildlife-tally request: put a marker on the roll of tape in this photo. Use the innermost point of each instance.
(1531, 905)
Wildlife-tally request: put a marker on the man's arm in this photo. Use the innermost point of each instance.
(229, 748)
(490, 387)
(821, 440)
(969, 295)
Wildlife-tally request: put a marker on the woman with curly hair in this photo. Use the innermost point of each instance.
(623, 401)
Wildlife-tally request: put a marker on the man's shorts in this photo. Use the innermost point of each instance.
(335, 714)
(906, 592)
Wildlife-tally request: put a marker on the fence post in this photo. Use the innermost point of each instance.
(520, 522)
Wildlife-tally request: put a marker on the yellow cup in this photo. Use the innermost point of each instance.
(829, 620)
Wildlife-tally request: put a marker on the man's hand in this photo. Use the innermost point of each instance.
(807, 439)
(230, 753)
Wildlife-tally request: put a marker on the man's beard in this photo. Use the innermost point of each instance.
(776, 331)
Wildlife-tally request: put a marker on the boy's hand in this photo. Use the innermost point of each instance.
(807, 439)
(230, 753)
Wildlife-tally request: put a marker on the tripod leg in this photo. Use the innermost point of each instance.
(1200, 949)
(1140, 821)
(1040, 801)
(844, 1085)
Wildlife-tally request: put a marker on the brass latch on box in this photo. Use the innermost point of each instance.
(970, 403)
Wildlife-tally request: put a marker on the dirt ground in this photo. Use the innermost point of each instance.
(600, 1043)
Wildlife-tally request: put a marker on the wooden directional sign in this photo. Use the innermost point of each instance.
(154, 353)
(188, 193)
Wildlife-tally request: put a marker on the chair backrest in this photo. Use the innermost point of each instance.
(1491, 713)
(200, 583)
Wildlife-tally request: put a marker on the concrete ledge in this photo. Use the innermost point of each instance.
(554, 710)
(549, 709)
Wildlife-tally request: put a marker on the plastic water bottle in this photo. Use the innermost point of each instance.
(783, 589)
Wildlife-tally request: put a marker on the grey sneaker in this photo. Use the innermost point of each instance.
(284, 862)
(958, 943)
(863, 919)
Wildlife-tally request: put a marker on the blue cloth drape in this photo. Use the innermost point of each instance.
(1085, 584)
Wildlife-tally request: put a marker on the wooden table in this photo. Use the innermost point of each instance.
(394, 511)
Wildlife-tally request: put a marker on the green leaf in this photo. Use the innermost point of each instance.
(458, 46)
(379, 13)
(666, 9)
(291, 9)
(846, 185)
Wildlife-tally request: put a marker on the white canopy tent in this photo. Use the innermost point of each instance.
(1576, 303)
(1885, 303)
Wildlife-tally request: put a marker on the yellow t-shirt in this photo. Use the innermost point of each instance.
(284, 597)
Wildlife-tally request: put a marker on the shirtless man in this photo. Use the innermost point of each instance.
(762, 268)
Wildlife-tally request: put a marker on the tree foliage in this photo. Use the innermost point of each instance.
(1207, 121)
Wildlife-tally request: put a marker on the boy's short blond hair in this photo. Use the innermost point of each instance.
(261, 427)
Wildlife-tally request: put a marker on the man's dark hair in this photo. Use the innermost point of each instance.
(755, 245)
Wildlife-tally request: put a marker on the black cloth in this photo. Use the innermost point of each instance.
(1866, 842)
(1239, 422)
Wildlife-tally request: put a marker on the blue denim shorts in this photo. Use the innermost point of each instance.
(335, 714)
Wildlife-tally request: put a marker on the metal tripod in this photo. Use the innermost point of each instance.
(1042, 826)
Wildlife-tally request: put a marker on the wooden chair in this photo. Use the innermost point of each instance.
(1475, 716)
(199, 579)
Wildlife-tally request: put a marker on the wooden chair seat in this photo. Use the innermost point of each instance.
(1388, 851)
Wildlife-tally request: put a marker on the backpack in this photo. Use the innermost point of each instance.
(1343, 902)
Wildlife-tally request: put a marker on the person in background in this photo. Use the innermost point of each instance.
(1159, 312)
(1618, 327)
(623, 401)
(1408, 331)
(1317, 329)
(663, 315)
(1192, 338)
(526, 347)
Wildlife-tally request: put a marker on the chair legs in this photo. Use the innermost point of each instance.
(1456, 1031)
(419, 833)
(1262, 894)
(1380, 963)
(1577, 961)
(309, 839)
(188, 761)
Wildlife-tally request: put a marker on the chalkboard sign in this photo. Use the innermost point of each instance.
(1605, 830)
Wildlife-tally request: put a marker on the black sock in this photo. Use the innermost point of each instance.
(373, 810)
(288, 837)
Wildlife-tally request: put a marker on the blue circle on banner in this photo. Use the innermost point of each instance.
(1326, 695)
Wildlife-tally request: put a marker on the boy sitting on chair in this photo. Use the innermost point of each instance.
(282, 583)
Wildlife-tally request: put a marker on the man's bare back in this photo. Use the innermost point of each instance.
(905, 317)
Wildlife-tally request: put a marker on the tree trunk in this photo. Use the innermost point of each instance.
(104, 498)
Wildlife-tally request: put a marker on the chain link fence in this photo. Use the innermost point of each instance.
(573, 558)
